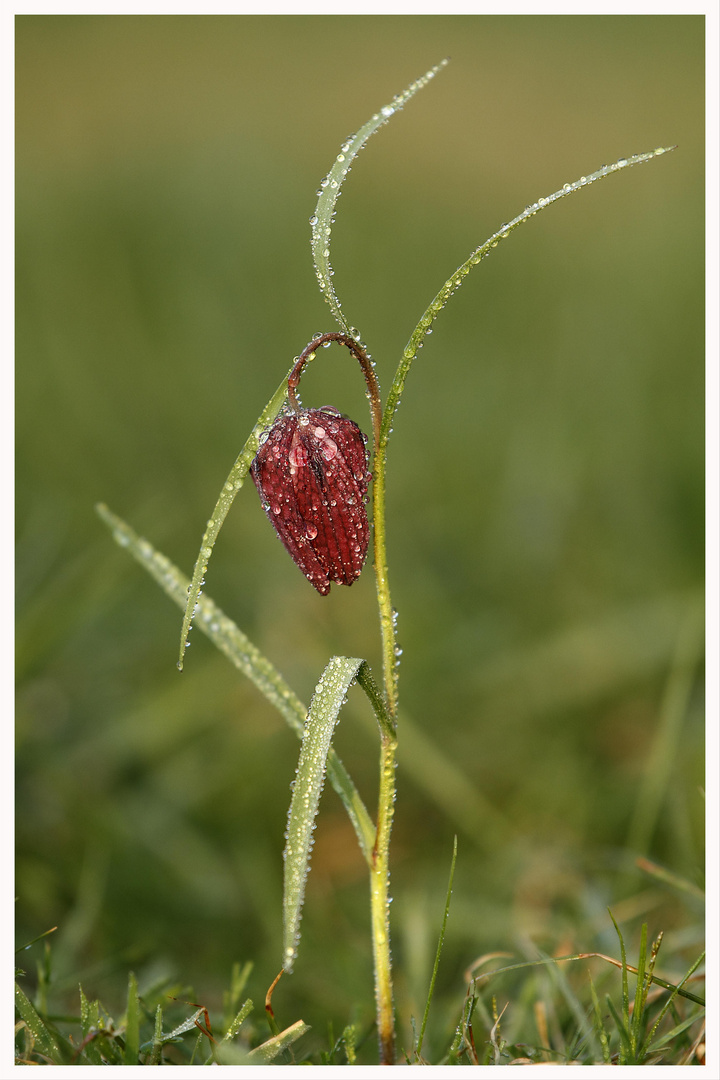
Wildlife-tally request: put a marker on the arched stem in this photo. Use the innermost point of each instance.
(371, 381)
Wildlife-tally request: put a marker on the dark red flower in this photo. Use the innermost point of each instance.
(311, 472)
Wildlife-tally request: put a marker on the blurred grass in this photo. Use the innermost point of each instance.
(545, 483)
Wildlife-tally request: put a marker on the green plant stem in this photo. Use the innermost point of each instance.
(379, 903)
(380, 868)
(387, 621)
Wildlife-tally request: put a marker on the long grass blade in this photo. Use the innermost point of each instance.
(641, 985)
(599, 1026)
(454, 282)
(230, 488)
(247, 658)
(441, 940)
(327, 701)
(625, 990)
(322, 220)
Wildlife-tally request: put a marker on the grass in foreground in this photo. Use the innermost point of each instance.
(639, 1018)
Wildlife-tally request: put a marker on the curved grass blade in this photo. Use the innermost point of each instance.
(415, 343)
(230, 489)
(322, 220)
(325, 707)
(454, 282)
(231, 641)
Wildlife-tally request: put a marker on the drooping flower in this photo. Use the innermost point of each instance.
(311, 472)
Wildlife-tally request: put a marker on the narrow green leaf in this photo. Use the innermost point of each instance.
(626, 1052)
(325, 707)
(132, 1023)
(231, 641)
(454, 282)
(368, 684)
(238, 1021)
(599, 1026)
(650, 1046)
(457, 1047)
(269, 1050)
(669, 1036)
(322, 220)
(625, 991)
(88, 1014)
(230, 488)
(641, 985)
(441, 939)
(157, 1043)
(231, 998)
(42, 1037)
(184, 1026)
(89, 1022)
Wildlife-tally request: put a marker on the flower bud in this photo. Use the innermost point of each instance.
(311, 472)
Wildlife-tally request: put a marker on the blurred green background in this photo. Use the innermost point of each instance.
(545, 486)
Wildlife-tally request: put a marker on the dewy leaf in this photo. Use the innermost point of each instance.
(269, 1050)
(42, 1037)
(453, 283)
(230, 489)
(322, 219)
(231, 641)
(324, 709)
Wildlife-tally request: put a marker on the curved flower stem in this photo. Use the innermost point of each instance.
(373, 387)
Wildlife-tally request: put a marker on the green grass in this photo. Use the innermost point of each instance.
(545, 521)
(575, 1011)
